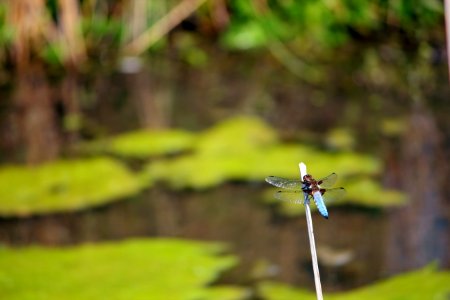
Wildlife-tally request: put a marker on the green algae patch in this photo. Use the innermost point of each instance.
(247, 149)
(235, 136)
(135, 269)
(235, 149)
(366, 192)
(147, 143)
(65, 185)
(426, 283)
(223, 292)
(201, 171)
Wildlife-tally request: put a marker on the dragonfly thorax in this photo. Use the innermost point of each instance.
(310, 185)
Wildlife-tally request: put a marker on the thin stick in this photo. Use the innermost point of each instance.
(162, 27)
(311, 239)
(447, 26)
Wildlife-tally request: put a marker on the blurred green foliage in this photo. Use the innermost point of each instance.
(103, 37)
(318, 24)
(303, 25)
(53, 53)
(99, 28)
(64, 186)
(427, 283)
(340, 139)
(189, 49)
(5, 31)
(135, 269)
(393, 127)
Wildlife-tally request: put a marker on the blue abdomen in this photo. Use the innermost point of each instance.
(320, 204)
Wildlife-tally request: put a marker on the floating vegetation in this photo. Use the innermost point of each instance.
(244, 149)
(248, 149)
(135, 269)
(146, 143)
(426, 283)
(64, 186)
(236, 136)
(238, 149)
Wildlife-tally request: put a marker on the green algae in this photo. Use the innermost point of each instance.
(367, 192)
(134, 269)
(246, 149)
(426, 283)
(142, 144)
(236, 136)
(238, 149)
(200, 171)
(64, 185)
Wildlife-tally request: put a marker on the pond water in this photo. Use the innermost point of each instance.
(351, 244)
(356, 245)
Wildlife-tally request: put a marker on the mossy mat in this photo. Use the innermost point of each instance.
(134, 269)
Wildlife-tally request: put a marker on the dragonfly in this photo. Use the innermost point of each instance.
(300, 191)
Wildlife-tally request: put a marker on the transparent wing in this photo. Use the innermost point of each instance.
(328, 181)
(297, 197)
(285, 183)
(333, 195)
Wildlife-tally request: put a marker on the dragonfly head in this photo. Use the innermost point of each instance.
(307, 178)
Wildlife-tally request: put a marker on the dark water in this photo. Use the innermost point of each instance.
(351, 244)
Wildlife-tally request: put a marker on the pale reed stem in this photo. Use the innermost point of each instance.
(447, 26)
(162, 27)
(312, 243)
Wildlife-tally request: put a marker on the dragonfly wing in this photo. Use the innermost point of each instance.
(327, 182)
(320, 204)
(285, 183)
(332, 195)
(297, 197)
